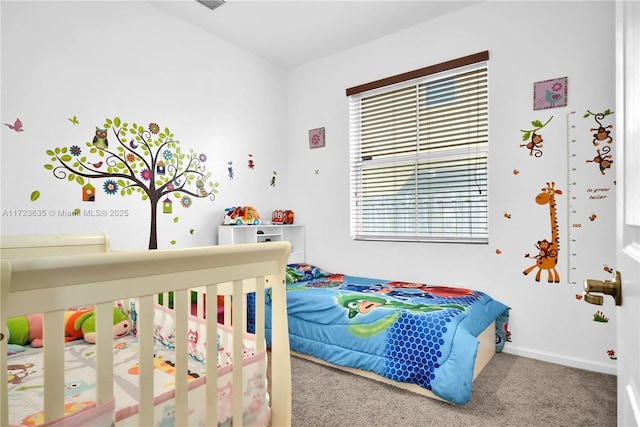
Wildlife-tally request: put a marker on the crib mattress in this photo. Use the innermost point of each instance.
(26, 384)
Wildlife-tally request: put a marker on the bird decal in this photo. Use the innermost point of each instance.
(97, 165)
(552, 97)
(133, 144)
(100, 139)
(17, 126)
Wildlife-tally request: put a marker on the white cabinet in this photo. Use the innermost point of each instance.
(292, 233)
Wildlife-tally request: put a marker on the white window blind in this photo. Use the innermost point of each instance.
(419, 159)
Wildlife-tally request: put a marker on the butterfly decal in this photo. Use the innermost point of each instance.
(17, 126)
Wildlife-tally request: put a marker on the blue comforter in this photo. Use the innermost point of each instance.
(407, 332)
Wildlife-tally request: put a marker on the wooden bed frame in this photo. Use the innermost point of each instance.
(486, 350)
(48, 274)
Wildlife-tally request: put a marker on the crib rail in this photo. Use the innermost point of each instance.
(51, 284)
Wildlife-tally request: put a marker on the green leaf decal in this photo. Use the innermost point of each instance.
(35, 195)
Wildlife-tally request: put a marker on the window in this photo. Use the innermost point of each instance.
(419, 146)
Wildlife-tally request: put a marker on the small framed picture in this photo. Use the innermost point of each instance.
(550, 94)
(316, 138)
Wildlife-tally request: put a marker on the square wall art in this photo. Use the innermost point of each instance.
(550, 94)
(316, 138)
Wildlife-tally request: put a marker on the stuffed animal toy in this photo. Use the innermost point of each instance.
(25, 330)
(13, 348)
(87, 324)
(70, 331)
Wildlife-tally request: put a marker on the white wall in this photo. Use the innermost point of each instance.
(527, 42)
(98, 60)
(130, 59)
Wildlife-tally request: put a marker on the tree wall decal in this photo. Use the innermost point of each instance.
(133, 160)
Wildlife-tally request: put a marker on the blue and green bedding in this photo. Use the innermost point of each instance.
(407, 332)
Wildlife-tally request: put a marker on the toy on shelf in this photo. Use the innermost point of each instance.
(239, 215)
(282, 217)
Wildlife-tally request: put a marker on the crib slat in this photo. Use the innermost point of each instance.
(180, 307)
(280, 354)
(227, 311)
(104, 352)
(145, 362)
(212, 356)
(5, 277)
(238, 331)
(53, 331)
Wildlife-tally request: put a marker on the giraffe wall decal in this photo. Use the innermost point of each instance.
(547, 257)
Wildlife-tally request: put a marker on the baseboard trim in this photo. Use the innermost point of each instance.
(561, 360)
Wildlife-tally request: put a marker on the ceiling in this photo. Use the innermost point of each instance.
(289, 33)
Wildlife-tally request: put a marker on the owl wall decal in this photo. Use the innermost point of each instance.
(100, 139)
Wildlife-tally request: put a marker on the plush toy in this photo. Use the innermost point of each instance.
(13, 348)
(25, 330)
(70, 318)
(87, 324)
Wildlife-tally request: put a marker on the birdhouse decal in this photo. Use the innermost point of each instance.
(88, 193)
(160, 168)
(167, 206)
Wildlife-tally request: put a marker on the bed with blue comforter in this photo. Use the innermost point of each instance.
(406, 332)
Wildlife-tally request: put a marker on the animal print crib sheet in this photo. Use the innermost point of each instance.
(25, 376)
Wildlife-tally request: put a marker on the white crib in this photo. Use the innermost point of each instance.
(49, 274)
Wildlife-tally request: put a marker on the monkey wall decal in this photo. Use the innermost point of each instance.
(602, 135)
(603, 159)
(534, 145)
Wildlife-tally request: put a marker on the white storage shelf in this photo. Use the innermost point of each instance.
(292, 233)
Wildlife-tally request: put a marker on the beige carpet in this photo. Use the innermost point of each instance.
(511, 391)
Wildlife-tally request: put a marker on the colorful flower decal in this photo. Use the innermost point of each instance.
(131, 158)
(146, 174)
(612, 354)
(167, 154)
(75, 150)
(170, 186)
(154, 128)
(110, 186)
(186, 202)
(202, 157)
